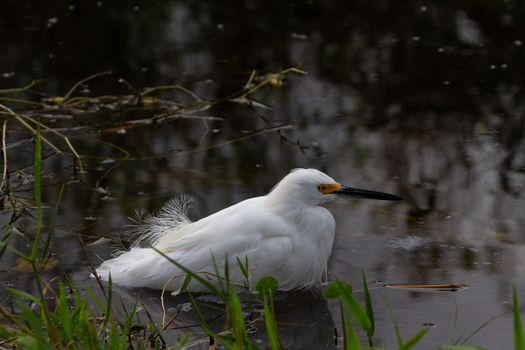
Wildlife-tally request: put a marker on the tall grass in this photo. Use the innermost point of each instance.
(60, 317)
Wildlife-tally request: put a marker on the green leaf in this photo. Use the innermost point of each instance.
(267, 284)
(519, 338)
(333, 290)
(343, 290)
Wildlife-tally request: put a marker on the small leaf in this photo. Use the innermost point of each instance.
(333, 291)
(267, 284)
(344, 291)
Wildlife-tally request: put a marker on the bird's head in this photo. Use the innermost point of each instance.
(313, 187)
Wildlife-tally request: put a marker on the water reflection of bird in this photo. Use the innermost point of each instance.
(286, 234)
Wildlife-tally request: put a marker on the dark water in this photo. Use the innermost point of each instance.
(413, 98)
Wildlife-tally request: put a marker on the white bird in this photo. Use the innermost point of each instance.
(285, 234)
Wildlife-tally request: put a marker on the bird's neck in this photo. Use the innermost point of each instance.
(287, 203)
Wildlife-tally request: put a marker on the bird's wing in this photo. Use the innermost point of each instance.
(244, 231)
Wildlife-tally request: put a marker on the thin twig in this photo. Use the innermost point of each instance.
(20, 101)
(66, 139)
(242, 138)
(19, 118)
(75, 87)
(172, 87)
(4, 154)
(24, 88)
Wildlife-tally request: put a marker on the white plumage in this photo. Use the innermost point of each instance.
(286, 234)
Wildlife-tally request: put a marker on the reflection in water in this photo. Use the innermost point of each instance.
(425, 100)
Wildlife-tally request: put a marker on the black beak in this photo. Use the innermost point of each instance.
(359, 193)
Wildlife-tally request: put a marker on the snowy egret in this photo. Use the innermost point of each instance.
(286, 234)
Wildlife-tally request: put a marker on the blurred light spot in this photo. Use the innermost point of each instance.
(51, 22)
(468, 30)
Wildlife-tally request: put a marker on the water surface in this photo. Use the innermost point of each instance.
(413, 98)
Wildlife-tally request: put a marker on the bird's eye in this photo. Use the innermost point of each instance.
(322, 188)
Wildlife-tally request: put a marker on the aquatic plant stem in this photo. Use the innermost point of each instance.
(77, 85)
(37, 165)
(22, 89)
(19, 118)
(4, 155)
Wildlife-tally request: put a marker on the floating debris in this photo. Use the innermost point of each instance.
(444, 287)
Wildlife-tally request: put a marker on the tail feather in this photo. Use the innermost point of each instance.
(136, 268)
(148, 229)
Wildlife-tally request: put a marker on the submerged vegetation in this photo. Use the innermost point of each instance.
(63, 315)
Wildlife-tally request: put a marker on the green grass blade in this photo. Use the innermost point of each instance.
(183, 286)
(109, 298)
(415, 339)
(343, 290)
(63, 315)
(47, 243)
(396, 326)
(194, 275)
(266, 286)
(351, 336)
(3, 245)
(37, 165)
(228, 342)
(222, 287)
(242, 267)
(271, 324)
(369, 310)
(29, 342)
(129, 318)
(237, 319)
(519, 338)
(101, 305)
(25, 295)
(113, 339)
